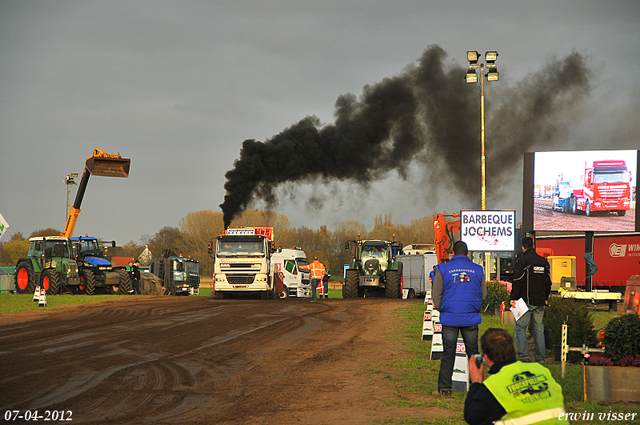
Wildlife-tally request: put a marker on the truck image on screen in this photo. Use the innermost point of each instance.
(606, 188)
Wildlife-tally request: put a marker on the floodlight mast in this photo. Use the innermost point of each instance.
(472, 77)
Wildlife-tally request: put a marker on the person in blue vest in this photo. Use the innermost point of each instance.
(515, 392)
(458, 290)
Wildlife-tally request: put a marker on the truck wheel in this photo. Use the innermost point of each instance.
(392, 284)
(587, 209)
(88, 279)
(350, 287)
(621, 212)
(25, 281)
(284, 293)
(574, 206)
(51, 281)
(125, 282)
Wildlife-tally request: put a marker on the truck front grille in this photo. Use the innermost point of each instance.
(240, 279)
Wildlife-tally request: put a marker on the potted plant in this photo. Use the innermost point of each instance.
(614, 375)
(497, 293)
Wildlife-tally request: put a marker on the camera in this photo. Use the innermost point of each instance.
(479, 358)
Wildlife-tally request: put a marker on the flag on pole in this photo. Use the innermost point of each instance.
(3, 226)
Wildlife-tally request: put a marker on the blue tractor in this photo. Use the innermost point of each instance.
(96, 272)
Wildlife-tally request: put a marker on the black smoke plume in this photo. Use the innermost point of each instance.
(426, 114)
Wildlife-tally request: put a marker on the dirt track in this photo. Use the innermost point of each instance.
(199, 360)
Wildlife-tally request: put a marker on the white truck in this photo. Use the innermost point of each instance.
(242, 263)
(285, 263)
(415, 273)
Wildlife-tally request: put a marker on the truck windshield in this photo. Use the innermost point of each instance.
(227, 247)
(618, 177)
(191, 266)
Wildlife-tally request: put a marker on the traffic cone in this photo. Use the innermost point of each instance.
(427, 327)
(43, 299)
(437, 349)
(36, 294)
(460, 378)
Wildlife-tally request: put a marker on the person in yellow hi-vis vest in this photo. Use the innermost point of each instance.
(317, 273)
(515, 393)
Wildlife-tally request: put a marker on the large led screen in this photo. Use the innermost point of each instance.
(581, 191)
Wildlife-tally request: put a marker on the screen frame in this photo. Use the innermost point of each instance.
(528, 208)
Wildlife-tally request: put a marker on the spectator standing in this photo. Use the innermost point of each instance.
(532, 283)
(325, 283)
(318, 271)
(135, 278)
(524, 393)
(458, 291)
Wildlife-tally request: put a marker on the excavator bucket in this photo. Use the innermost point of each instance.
(108, 165)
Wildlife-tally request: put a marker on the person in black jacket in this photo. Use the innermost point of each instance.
(532, 283)
(135, 278)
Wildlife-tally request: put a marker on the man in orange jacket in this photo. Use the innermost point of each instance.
(318, 271)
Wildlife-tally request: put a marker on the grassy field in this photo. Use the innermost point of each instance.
(13, 303)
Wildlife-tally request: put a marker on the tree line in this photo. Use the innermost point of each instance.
(196, 229)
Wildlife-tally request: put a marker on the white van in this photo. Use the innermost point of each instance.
(297, 283)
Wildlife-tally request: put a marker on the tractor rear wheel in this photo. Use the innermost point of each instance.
(50, 281)
(88, 279)
(350, 288)
(25, 281)
(392, 284)
(125, 282)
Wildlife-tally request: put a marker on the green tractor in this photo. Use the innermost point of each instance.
(373, 270)
(50, 264)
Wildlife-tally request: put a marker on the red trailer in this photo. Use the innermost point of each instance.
(617, 256)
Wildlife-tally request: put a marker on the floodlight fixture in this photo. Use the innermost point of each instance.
(472, 75)
(492, 75)
(473, 56)
(491, 56)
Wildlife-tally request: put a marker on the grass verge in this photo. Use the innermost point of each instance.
(415, 376)
(14, 303)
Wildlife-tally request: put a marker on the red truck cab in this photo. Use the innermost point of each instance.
(606, 188)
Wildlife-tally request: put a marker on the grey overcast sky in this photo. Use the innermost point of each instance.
(177, 86)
